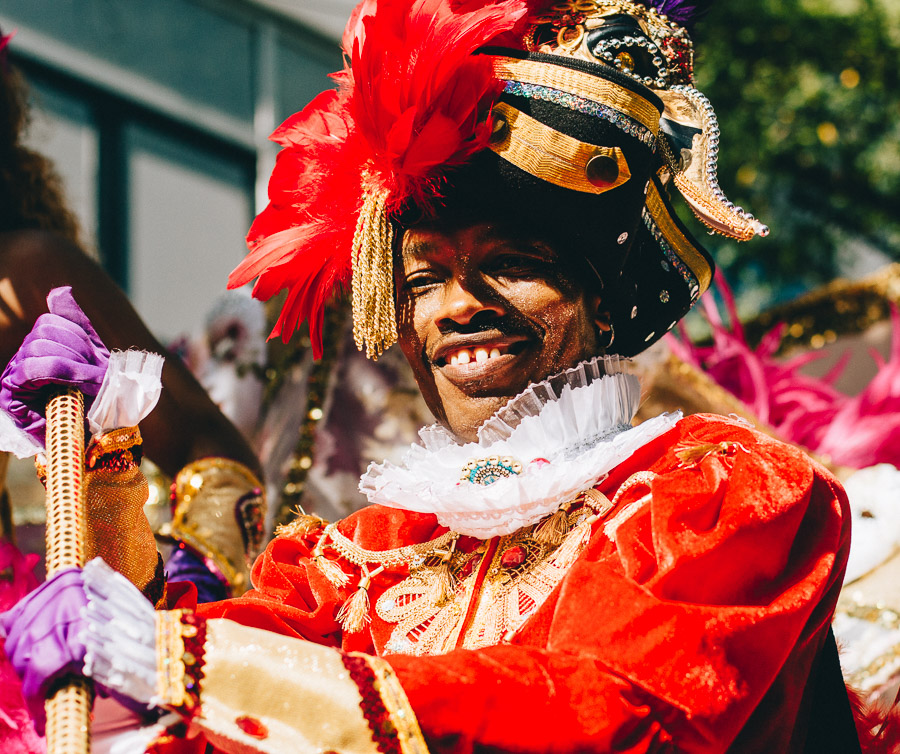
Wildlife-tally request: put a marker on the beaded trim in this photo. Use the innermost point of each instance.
(737, 222)
(391, 719)
(180, 647)
(116, 450)
(583, 105)
(383, 731)
(359, 556)
(671, 256)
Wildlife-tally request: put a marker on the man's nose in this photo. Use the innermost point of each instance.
(464, 301)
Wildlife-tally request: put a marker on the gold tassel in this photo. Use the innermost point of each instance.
(304, 523)
(330, 570)
(575, 542)
(552, 531)
(692, 452)
(445, 581)
(372, 281)
(354, 613)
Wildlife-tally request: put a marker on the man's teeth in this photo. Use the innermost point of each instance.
(481, 355)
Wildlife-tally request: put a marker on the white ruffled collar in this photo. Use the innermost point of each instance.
(562, 435)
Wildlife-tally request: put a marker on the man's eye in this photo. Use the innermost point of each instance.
(519, 264)
(421, 281)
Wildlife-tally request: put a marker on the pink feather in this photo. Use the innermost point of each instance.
(17, 734)
(853, 431)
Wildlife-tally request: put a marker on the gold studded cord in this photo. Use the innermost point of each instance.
(360, 556)
(68, 705)
(372, 282)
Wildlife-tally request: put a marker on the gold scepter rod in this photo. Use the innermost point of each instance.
(69, 700)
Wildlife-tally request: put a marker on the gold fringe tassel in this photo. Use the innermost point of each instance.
(330, 570)
(372, 282)
(304, 523)
(575, 542)
(445, 582)
(354, 613)
(553, 529)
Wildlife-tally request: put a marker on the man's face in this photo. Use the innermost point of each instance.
(481, 314)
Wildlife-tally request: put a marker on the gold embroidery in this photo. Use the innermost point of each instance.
(170, 669)
(520, 576)
(680, 243)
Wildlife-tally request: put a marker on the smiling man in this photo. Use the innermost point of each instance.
(538, 575)
(482, 313)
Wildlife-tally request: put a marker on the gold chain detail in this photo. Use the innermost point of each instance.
(639, 479)
(360, 557)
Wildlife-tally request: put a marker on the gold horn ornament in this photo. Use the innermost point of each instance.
(694, 169)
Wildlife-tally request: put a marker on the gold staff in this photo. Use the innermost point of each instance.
(69, 700)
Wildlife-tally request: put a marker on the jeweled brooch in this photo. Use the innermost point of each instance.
(486, 471)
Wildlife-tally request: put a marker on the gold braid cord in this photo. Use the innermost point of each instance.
(372, 282)
(69, 703)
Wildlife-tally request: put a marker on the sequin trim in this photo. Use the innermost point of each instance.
(180, 647)
(383, 731)
(582, 105)
(673, 258)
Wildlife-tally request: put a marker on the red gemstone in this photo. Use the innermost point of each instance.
(252, 726)
(513, 557)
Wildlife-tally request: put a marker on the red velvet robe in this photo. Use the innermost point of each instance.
(693, 628)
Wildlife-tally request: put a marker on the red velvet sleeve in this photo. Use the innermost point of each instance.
(290, 594)
(693, 618)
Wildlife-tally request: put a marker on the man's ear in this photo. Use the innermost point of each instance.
(602, 319)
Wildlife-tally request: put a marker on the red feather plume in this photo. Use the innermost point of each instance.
(408, 106)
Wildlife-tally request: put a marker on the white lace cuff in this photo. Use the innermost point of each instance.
(15, 440)
(129, 392)
(121, 639)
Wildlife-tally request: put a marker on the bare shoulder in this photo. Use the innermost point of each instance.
(18, 247)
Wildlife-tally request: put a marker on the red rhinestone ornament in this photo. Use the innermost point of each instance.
(252, 726)
(513, 557)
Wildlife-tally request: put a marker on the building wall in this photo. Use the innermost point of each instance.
(157, 115)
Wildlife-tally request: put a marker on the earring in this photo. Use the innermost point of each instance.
(607, 337)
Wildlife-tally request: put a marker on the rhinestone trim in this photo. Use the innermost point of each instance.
(582, 105)
(671, 256)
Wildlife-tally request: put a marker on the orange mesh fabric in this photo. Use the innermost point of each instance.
(116, 528)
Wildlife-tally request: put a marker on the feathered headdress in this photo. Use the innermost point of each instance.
(410, 103)
(414, 100)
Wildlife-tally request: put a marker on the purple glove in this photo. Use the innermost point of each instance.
(44, 637)
(186, 565)
(61, 349)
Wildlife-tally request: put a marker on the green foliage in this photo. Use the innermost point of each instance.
(807, 97)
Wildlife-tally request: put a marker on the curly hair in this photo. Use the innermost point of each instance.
(31, 191)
